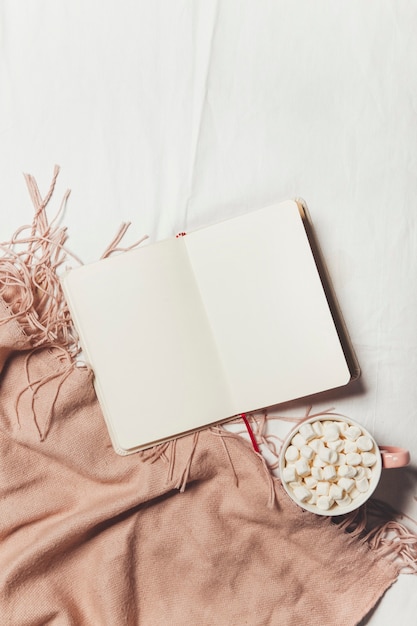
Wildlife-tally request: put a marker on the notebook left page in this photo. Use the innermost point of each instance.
(144, 331)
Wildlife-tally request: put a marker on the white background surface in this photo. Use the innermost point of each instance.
(173, 114)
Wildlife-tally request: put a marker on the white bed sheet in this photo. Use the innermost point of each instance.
(175, 114)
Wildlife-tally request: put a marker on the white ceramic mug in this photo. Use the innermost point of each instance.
(344, 486)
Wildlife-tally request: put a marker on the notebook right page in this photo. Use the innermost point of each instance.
(267, 308)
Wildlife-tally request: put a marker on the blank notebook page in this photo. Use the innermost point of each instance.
(145, 333)
(267, 308)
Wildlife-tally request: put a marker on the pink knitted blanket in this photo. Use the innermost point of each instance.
(195, 532)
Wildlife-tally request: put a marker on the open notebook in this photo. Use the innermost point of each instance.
(194, 330)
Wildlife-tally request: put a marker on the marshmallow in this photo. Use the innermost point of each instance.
(364, 443)
(336, 492)
(329, 472)
(352, 472)
(291, 454)
(322, 488)
(310, 482)
(307, 452)
(360, 472)
(337, 445)
(354, 493)
(324, 503)
(318, 428)
(315, 444)
(298, 441)
(352, 433)
(349, 446)
(318, 462)
(302, 467)
(343, 426)
(331, 432)
(345, 501)
(306, 431)
(346, 470)
(342, 458)
(334, 456)
(346, 483)
(342, 470)
(362, 484)
(302, 493)
(288, 474)
(353, 458)
(327, 455)
(317, 472)
(368, 459)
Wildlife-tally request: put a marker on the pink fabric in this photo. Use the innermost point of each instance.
(187, 534)
(91, 538)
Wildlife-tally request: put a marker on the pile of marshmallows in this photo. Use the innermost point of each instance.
(328, 464)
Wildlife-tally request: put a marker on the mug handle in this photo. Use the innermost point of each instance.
(394, 457)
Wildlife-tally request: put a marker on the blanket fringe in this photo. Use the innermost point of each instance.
(378, 525)
(33, 386)
(31, 290)
(114, 245)
(29, 282)
(167, 452)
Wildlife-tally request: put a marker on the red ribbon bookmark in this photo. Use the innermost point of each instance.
(250, 431)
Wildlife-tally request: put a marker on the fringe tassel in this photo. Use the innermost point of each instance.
(35, 385)
(31, 290)
(29, 283)
(229, 458)
(113, 246)
(167, 453)
(377, 525)
(184, 475)
(157, 452)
